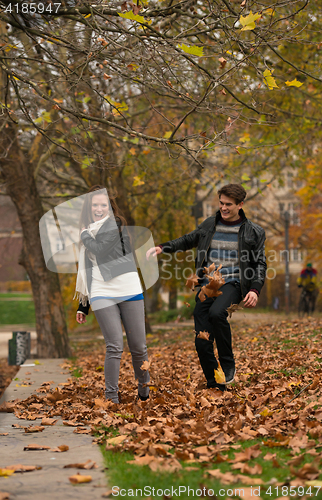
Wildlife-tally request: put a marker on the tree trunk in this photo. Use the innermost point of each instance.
(17, 174)
(173, 295)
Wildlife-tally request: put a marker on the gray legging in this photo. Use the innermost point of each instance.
(109, 318)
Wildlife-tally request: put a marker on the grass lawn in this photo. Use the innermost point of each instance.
(275, 477)
(17, 312)
(13, 295)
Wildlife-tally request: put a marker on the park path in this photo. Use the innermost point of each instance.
(51, 481)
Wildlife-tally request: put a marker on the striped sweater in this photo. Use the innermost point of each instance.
(224, 250)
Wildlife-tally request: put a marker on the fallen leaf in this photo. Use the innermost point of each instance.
(116, 440)
(89, 464)
(78, 479)
(48, 421)
(7, 407)
(316, 483)
(224, 477)
(4, 495)
(72, 423)
(308, 471)
(60, 449)
(35, 428)
(109, 493)
(22, 468)
(36, 447)
(6, 472)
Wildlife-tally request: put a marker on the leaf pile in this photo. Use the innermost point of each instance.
(185, 421)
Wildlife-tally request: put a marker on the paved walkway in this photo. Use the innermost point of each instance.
(51, 482)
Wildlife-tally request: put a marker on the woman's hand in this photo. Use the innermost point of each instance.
(80, 317)
(154, 250)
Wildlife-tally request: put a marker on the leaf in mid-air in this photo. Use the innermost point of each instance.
(248, 22)
(145, 365)
(232, 308)
(215, 282)
(203, 335)
(220, 376)
(192, 281)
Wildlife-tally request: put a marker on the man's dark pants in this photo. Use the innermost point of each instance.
(211, 316)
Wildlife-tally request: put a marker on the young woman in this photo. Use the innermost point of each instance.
(108, 282)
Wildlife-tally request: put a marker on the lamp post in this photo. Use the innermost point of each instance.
(287, 270)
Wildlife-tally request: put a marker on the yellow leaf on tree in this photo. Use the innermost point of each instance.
(269, 80)
(220, 376)
(192, 49)
(245, 138)
(137, 181)
(248, 22)
(294, 83)
(130, 15)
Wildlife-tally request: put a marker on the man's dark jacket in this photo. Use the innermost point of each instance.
(251, 250)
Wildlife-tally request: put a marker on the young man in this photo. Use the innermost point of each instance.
(230, 239)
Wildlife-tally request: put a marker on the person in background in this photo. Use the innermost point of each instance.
(308, 280)
(108, 281)
(229, 239)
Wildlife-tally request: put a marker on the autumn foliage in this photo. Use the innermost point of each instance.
(277, 397)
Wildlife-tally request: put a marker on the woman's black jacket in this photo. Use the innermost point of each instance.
(113, 252)
(251, 250)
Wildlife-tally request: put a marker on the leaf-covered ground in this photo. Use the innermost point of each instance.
(7, 373)
(275, 403)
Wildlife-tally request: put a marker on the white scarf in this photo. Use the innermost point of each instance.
(81, 291)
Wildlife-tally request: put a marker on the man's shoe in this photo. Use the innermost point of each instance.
(229, 374)
(214, 385)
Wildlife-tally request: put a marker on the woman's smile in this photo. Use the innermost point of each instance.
(100, 207)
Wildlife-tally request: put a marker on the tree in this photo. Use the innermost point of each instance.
(90, 87)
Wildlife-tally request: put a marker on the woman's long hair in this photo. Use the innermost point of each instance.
(86, 214)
